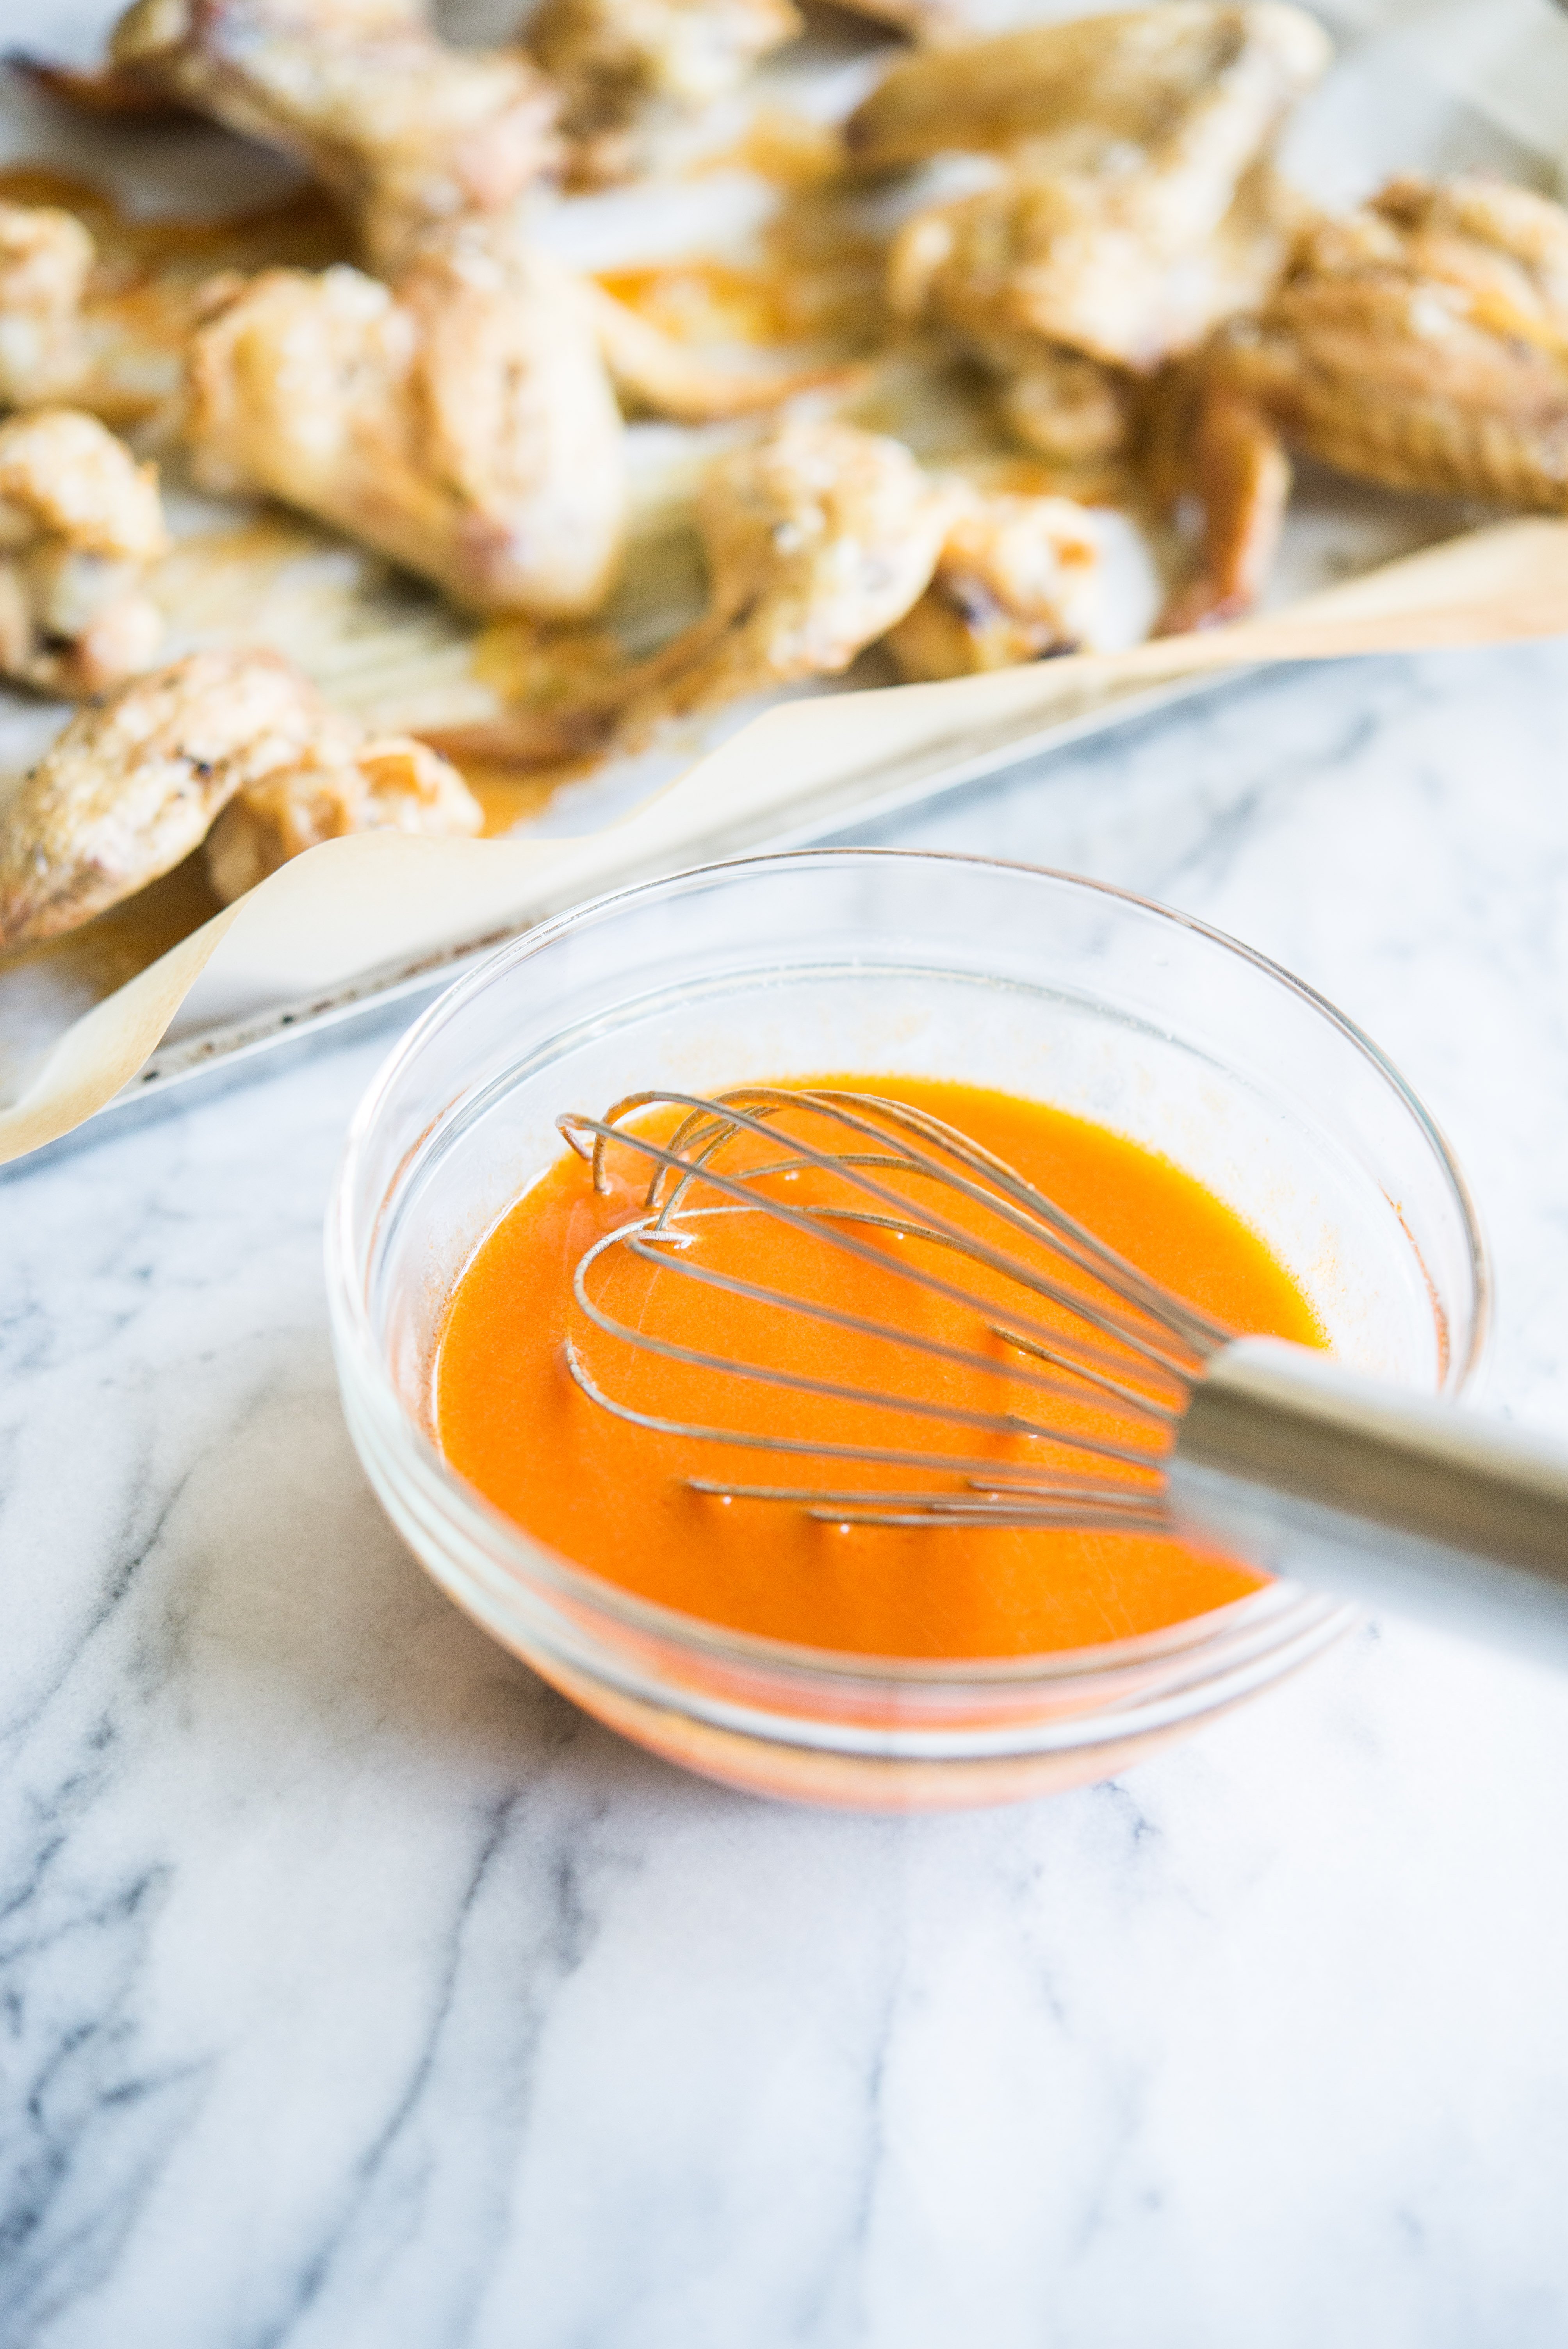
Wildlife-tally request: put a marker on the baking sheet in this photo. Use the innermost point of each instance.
(1417, 86)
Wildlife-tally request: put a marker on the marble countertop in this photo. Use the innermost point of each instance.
(356, 1991)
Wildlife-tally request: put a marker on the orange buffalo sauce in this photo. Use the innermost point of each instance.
(613, 1497)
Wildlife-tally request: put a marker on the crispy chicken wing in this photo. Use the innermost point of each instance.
(460, 421)
(392, 785)
(46, 258)
(406, 130)
(1136, 210)
(622, 61)
(818, 539)
(80, 522)
(1009, 587)
(1421, 342)
(135, 782)
(1424, 343)
(132, 784)
(1193, 85)
(1027, 257)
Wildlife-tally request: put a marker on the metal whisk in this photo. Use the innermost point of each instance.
(1266, 1450)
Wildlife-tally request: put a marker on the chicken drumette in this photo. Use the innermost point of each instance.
(136, 780)
(80, 522)
(817, 540)
(405, 129)
(1421, 342)
(623, 63)
(1134, 209)
(460, 421)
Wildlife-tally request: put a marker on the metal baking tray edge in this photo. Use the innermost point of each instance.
(222, 1055)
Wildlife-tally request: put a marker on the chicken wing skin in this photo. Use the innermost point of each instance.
(622, 61)
(1421, 342)
(79, 522)
(1193, 83)
(460, 421)
(391, 785)
(46, 258)
(1032, 257)
(818, 539)
(1136, 208)
(132, 784)
(406, 130)
(136, 780)
(1009, 587)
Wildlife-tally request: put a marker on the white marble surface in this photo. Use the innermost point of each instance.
(356, 1992)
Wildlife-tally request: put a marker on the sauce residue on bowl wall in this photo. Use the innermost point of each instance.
(612, 1498)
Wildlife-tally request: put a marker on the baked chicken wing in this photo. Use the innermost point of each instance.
(1424, 343)
(1026, 257)
(136, 780)
(80, 522)
(460, 421)
(1193, 87)
(818, 539)
(1010, 586)
(1421, 342)
(406, 130)
(1136, 210)
(623, 61)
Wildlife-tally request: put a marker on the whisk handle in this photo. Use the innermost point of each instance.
(1351, 1486)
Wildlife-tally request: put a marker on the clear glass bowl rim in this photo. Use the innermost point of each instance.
(477, 1518)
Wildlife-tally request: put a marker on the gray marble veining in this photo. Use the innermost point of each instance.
(356, 1993)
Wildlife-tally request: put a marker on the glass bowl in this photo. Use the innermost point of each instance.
(878, 960)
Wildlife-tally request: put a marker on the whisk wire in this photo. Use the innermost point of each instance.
(1069, 1238)
(1073, 1239)
(830, 1390)
(1153, 1336)
(883, 1456)
(1112, 1324)
(995, 1366)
